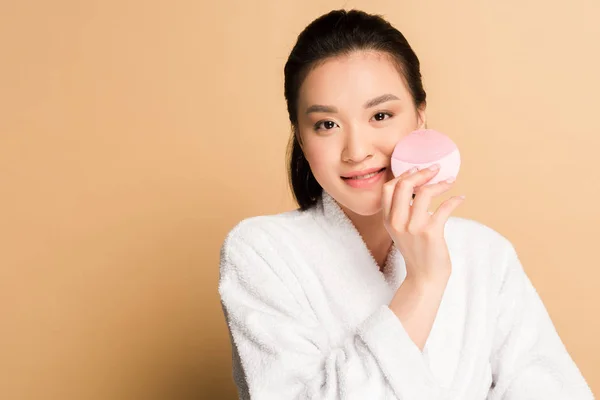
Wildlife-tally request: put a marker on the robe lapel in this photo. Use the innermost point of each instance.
(372, 288)
(358, 269)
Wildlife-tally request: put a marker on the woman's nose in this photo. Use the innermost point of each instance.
(357, 148)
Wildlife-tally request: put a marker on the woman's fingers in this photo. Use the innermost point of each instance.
(400, 209)
(423, 199)
(441, 215)
(415, 231)
(389, 188)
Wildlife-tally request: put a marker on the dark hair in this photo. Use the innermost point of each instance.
(338, 33)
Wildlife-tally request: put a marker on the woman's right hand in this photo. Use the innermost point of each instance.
(418, 234)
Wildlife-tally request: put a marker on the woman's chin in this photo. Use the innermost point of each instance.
(368, 211)
(364, 205)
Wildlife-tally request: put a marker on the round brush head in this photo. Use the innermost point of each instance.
(425, 147)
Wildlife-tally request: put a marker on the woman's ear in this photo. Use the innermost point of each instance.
(299, 139)
(422, 116)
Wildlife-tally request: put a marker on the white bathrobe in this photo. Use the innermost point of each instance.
(308, 316)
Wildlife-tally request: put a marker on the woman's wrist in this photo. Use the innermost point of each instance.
(425, 282)
(416, 303)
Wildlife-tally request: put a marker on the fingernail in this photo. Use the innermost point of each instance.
(412, 170)
(434, 167)
(450, 180)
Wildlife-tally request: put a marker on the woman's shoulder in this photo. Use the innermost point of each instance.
(475, 237)
(267, 229)
(482, 250)
(468, 226)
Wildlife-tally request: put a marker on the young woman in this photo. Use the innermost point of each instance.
(362, 292)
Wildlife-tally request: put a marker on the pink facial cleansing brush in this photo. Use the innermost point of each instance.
(425, 147)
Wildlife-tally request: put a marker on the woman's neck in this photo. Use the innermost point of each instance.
(374, 234)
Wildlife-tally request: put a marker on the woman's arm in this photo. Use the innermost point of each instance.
(286, 353)
(529, 360)
(416, 303)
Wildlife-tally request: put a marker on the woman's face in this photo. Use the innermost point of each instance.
(352, 110)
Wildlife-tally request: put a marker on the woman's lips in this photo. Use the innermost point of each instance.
(365, 182)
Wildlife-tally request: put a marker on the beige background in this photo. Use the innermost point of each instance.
(135, 134)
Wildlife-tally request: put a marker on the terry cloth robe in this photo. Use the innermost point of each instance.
(307, 311)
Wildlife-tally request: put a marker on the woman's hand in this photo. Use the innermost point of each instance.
(418, 234)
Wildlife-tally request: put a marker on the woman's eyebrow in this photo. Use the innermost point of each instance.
(380, 99)
(371, 103)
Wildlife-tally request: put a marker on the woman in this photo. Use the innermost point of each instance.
(361, 293)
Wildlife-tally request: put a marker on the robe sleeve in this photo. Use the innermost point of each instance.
(284, 351)
(529, 360)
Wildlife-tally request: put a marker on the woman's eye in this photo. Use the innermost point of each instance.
(381, 116)
(327, 125)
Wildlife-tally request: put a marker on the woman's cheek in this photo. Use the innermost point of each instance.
(389, 138)
(322, 160)
(313, 154)
(399, 131)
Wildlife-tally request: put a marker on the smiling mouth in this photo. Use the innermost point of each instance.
(367, 176)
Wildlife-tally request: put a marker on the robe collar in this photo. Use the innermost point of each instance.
(394, 270)
(380, 287)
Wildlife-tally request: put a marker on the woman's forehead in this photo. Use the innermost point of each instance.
(353, 78)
